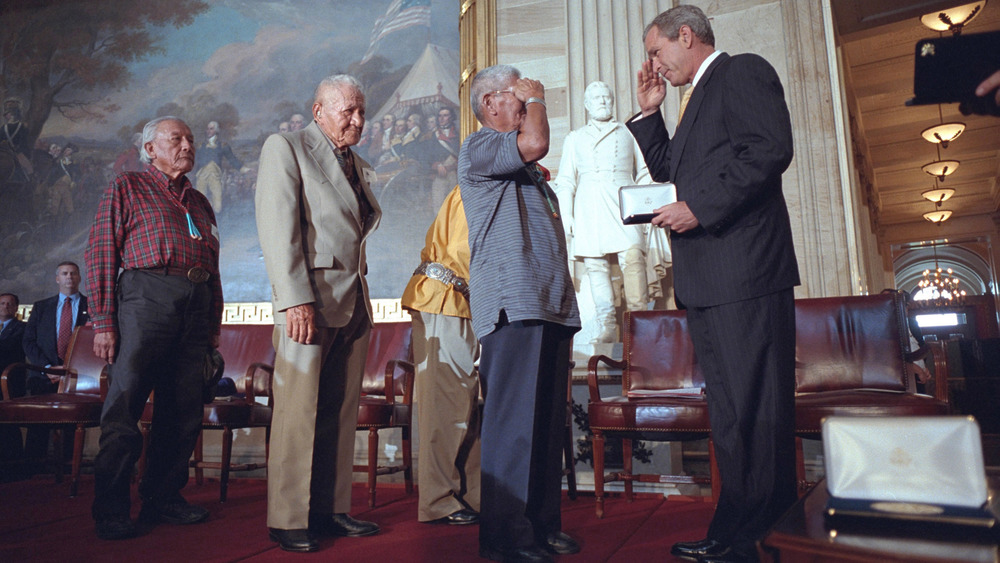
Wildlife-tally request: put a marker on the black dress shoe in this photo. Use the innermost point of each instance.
(299, 540)
(462, 517)
(560, 543)
(525, 554)
(730, 556)
(173, 513)
(119, 528)
(341, 525)
(698, 550)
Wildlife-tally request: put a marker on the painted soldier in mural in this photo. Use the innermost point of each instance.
(211, 153)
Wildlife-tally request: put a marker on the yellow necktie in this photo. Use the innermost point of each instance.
(684, 103)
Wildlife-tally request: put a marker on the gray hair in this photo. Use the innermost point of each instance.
(338, 81)
(149, 133)
(490, 79)
(670, 22)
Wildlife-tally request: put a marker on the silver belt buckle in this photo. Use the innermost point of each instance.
(198, 275)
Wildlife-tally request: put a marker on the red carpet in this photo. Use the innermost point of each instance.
(38, 522)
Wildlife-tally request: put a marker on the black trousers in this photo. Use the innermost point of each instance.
(747, 355)
(523, 369)
(164, 333)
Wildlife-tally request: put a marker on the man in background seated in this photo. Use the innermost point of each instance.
(11, 331)
(155, 323)
(46, 339)
(11, 352)
(447, 385)
(50, 327)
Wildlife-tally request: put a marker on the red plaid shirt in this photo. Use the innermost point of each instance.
(142, 223)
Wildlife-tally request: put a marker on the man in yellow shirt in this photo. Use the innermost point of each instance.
(447, 385)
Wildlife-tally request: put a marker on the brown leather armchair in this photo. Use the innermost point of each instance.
(851, 360)
(249, 355)
(76, 404)
(387, 399)
(658, 361)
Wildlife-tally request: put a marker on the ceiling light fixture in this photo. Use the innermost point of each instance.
(953, 19)
(943, 133)
(940, 168)
(937, 217)
(937, 196)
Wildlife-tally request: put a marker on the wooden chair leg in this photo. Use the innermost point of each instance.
(144, 430)
(225, 462)
(570, 464)
(57, 445)
(199, 456)
(627, 467)
(713, 469)
(372, 464)
(598, 452)
(77, 459)
(800, 466)
(407, 461)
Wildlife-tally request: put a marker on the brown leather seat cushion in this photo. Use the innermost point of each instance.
(57, 408)
(650, 414)
(222, 412)
(375, 411)
(811, 408)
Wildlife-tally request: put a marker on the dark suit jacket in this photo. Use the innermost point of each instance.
(40, 334)
(11, 349)
(726, 159)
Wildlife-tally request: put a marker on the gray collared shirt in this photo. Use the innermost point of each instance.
(519, 262)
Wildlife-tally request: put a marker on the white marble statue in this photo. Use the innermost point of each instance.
(597, 159)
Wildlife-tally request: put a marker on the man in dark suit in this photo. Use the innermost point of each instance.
(11, 352)
(46, 338)
(11, 331)
(734, 264)
(49, 328)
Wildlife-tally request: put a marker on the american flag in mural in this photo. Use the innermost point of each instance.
(400, 15)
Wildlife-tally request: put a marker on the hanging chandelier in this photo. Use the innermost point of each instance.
(939, 286)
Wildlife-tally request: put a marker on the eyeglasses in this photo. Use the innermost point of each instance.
(507, 91)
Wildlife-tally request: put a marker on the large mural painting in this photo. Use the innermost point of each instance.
(81, 77)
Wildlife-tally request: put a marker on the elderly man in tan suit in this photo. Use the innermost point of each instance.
(314, 212)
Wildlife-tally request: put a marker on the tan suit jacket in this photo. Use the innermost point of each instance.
(313, 237)
(310, 227)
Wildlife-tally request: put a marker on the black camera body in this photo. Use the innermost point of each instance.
(948, 69)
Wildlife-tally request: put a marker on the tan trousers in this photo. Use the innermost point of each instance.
(316, 392)
(447, 397)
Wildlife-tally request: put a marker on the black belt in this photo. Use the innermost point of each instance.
(196, 274)
(443, 274)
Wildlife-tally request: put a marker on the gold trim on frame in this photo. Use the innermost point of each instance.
(383, 311)
(477, 30)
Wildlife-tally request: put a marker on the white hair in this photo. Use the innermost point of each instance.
(149, 133)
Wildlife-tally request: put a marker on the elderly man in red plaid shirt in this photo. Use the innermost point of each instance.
(155, 322)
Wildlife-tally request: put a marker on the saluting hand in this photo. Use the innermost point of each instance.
(651, 89)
